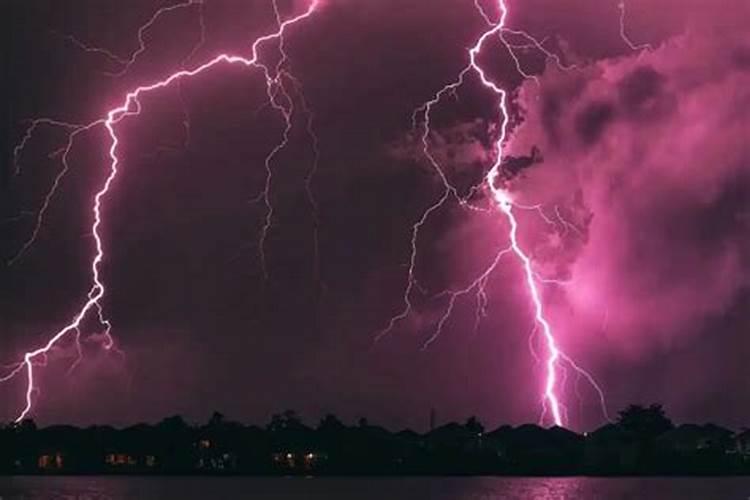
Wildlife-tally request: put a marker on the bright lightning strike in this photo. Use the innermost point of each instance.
(504, 203)
(131, 106)
(282, 90)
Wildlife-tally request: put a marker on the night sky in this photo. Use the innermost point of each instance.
(644, 153)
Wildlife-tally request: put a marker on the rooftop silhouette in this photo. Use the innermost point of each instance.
(642, 441)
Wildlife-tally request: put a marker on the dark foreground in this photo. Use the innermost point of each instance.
(643, 442)
(437, 488)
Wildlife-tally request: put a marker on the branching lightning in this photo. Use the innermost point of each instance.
(131, 106)
(75, 130)
(638, 47)
(283, 90)
(503, 202)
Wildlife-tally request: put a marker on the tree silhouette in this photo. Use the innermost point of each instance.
(474, 426)
(174, 424)
(216, 420)
(330, 423)
(644, 422)
(642, 441)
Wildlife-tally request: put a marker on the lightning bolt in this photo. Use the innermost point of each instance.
(282, 87)
(75, 131)
(624, 32)
(131, 107)
(477, 285)
(503, 202)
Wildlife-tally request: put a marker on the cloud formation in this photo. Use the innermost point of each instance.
(654, 145)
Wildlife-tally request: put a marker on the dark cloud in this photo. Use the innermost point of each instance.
(741, 57)
(592, 121)
(513, 165)
(643, 96)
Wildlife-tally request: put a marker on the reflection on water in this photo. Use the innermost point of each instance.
(121, 488)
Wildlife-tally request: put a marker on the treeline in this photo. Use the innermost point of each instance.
(642, 441)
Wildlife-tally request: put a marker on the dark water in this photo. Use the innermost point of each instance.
(118, 488)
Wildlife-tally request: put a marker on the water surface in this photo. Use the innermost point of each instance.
(121, 488)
